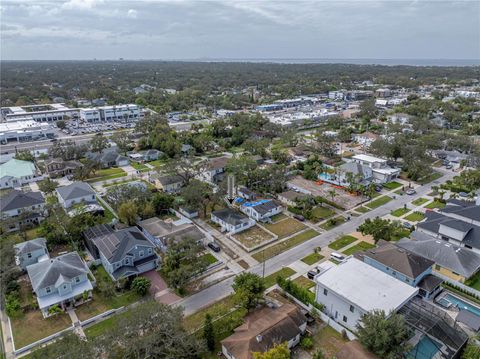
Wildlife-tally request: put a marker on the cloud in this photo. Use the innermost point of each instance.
(80, 4)
(132, 13)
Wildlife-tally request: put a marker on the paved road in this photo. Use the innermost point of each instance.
(224, 288)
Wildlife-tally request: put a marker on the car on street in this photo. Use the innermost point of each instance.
(299, 217)
(410, 191)
(214, 246)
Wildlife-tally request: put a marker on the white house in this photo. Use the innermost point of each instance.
(231, 221)
(76, 193)
(399, 118)
(261, 210)
(354, 288)
(15, 173)
(382, 173)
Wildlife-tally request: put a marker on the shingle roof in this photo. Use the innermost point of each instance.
(30, 246)
(170, 179)
(356, 169)
(230, 216)
(265, 207)
(218, 162)
(468, 210)
(399, 259)
(56, 270)
(17, 168)
(75, 190)
(18, 199)
(458, 259)
(114, 246)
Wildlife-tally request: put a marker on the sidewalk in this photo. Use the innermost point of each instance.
(7, 338)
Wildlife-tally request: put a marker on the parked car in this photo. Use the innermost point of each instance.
(311, 274)
(448, 167)
(407, 225)
(299, 217)
(410, 191)
(214, 246)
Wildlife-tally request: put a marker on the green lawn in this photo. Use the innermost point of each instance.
(304, 282)
(31, 326)
(399, 212)
(278, 217)
(329, 341)
(285, 245)
(432, 177)
(392, 185)
(107, 174)
(378, 202)
(362, 246)
(31, 233)
(272, 278)
(321, 213)
(332, 222)
(210, 258)
(419, 201)
(312, 258)
(415, 216)
(285, 227)
(435, 204)
(139, 166)
(474, 281)
(123, 181)
(362, 209)
(402, 233)
(342, 242)
(107, 214)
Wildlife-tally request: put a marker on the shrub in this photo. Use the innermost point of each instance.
(141, 285)
(302, 294)
(54, 309)
(12, 305)
(306, 343)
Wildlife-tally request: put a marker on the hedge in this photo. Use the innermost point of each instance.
(302, 294)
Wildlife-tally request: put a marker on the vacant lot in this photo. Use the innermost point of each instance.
(399, 212)
(332, 222)
(312, 258)
(379, 202)
(285, 245)
(321, 213)
(328, 341)
(284, 273)
(342, 242)
(253, 237)
(285, 227)
(362, 246)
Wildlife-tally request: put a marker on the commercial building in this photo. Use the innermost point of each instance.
(26, 130)
(127, 113)
(40, 113)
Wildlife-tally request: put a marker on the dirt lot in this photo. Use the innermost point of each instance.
(342, 198)
(285, 227)
(253, 237)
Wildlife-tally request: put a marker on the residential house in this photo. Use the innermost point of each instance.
(62, 281)
(215, 170)
(354, 288)
(231, 221)
(30, 252)
(167, 183)
(245, 193)
(451, 261)
(383, 92)
(261, 210)
(15, 173)
(382, 173)
(56, 167)
(76, 193)
(170, 231)
(290, 198)
(359, 173)
(365, 139)
(108, 158)
(151, 155)
(403, 265)
(188, 212)
(399, 118)
(20, 208)
(264, 328)
(123, 253)
(458, 223)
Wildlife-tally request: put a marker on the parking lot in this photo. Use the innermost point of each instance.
(77, 127)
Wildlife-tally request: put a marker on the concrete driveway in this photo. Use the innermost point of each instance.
(159, 289)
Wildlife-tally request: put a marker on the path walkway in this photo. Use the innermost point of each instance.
(76, 323)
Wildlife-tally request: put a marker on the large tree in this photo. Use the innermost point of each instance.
(383, 335)
(128, 213)
(279, 351)
(198, 195)
(122, 140)
(380, 228)
(249, 289)
(98, 143)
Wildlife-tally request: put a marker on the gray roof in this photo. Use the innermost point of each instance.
(30, 246)
(433, 220)
(18, 199)
(465, 209)
(115, 246)
(230, 216)
(458, 259)
(266, 207)
(170, 179)
(469, 319)
(355, 168)
(75, 190)
(54, 271)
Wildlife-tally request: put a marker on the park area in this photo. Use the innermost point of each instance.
(253, 237)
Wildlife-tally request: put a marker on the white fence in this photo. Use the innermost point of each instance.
(462, 286)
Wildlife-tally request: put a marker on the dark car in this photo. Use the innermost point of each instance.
(311, 274)
(214, 246)
(299, 217)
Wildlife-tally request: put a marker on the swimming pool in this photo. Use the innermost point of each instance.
(426, 348)
(324, 176)
(462, 305)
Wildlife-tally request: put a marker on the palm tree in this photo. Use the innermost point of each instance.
(332, 193)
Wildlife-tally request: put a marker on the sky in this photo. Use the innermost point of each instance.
(224, 29)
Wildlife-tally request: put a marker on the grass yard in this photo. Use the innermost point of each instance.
(285, 227)
(107, 174)
(31, 233)
(362, 210)
(419, 201)
(253, 237)
(210, 258)
(107, 214)
(362, 246)
(342, 242)
(157, 163)
(415, 216)
(380, 201)
(321, 213)
(312, 258)
(304, 282)
(216, 310)
(332, 222)
(435, 204)
(329, 341)
(278, 217)
(139, 166)
(401, 234)
(31, 326)
(284, 273)
(285, 245)
(399, 212)
(123, 181)
(98, 329)
(392, 185)
(474, 281)
(432, 177)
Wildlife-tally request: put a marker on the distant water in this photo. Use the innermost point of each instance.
(388, 62)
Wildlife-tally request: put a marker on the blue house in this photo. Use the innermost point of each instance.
(405, 266)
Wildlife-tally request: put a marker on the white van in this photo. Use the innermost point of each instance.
(337, 256)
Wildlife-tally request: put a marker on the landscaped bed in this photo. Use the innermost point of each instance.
(399, 212)
(342, 242)
(380, 201)
(253, 237)
(415, 216)
(332, 222)
(272, 278)
(362, 246)
(312, 258)
(285, 227)
(419, 201)
(31, 326)
(285, 245)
